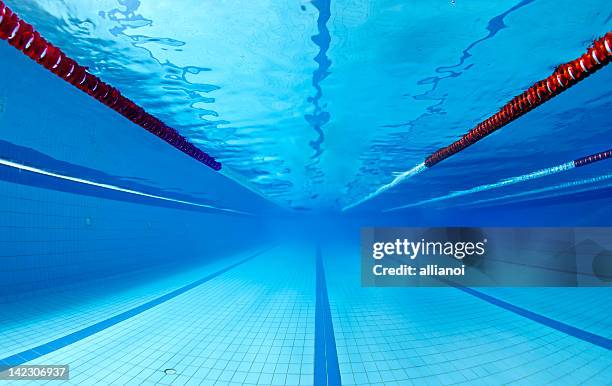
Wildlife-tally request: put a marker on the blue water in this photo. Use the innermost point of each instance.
(137, 265)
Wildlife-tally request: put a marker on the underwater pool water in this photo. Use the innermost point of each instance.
(134, 264)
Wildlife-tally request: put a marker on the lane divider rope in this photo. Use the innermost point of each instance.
(565, 76)
(26, 39)
(577, 163)
(579, 187)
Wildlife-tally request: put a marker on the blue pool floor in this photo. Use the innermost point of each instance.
(260, 318)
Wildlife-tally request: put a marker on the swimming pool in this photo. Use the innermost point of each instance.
(135, 264)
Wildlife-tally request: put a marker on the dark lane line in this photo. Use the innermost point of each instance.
(576, 332)
(54, 345)
(326, 368)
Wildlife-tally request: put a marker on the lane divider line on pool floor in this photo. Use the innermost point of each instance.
(326, 368)
(26, 39)
(576, 332)
(577, 163)
(59, 343)
(565, 76)
(568, 329)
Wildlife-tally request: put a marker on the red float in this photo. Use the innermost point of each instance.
(564, 77)
(24, 37)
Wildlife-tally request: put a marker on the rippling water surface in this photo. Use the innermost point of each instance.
(316, 104)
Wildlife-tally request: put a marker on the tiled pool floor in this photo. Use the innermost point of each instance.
(276, 317)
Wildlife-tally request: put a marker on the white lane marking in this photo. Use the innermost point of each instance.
(396, 181)
(112, 187)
